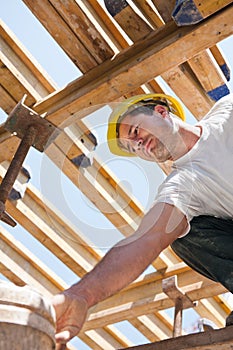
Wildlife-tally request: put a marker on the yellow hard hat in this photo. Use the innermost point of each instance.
(140, 100)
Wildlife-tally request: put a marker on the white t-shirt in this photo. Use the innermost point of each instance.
(201, 182)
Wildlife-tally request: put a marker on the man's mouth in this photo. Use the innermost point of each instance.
(148, 146)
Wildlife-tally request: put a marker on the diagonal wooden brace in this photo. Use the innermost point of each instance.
(180, 299)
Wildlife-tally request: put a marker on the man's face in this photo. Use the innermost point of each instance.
(146, 135)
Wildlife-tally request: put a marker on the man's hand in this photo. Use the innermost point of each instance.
(71, 311)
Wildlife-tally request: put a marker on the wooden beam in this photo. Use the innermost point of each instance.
(8, 146)
(85, 46)
(127, 18)
(191, 12)
(20, 73)
(150, 13)
(137, 65)
(220, 339)
(220, 59)
(208, 7)
(187, 87)
(19, 264)
(7, 101)
(154, 327)
(100, 14)
(209, 75)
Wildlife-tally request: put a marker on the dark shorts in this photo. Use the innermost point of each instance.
(208, 248)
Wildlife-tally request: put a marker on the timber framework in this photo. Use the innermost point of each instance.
(120, 49)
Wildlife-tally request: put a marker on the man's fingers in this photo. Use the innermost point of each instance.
(63, 337)
(61, 347)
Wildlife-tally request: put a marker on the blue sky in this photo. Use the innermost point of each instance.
(70, 200)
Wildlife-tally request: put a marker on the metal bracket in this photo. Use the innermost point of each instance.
(34, 131)
(22, 117)
(181, 300)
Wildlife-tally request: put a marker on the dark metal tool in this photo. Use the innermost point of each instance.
(180, 299)
(34, 131)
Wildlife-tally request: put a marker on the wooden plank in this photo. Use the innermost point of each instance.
(220, 339)
(191, 12)
(44, 80)
(100, 14)
(209, 74)
(8, 147)
(81, 48)
(165, 8)
(84, 29)
(185, 85)
(220, 59)
(150, 13)
(208, 7)
(53, 23)
(97, 86)
(135, 28)
(128, 19)
(154, 326)
(19, 73)
(70, 149)
(211, 309)
(28, 268)
(7, 101)
(11, 79)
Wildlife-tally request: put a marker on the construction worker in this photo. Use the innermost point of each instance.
(192, 211)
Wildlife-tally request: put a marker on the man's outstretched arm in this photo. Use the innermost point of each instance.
(119, 267)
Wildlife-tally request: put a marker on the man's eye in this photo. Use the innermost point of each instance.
(136, 130)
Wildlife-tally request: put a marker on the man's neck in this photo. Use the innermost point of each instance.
(188, 137)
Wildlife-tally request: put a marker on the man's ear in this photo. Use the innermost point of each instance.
(161, 110)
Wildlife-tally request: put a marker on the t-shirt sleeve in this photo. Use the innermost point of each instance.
(223, 108)
(177, 190)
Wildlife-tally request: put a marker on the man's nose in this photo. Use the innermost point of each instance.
(138, 144)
